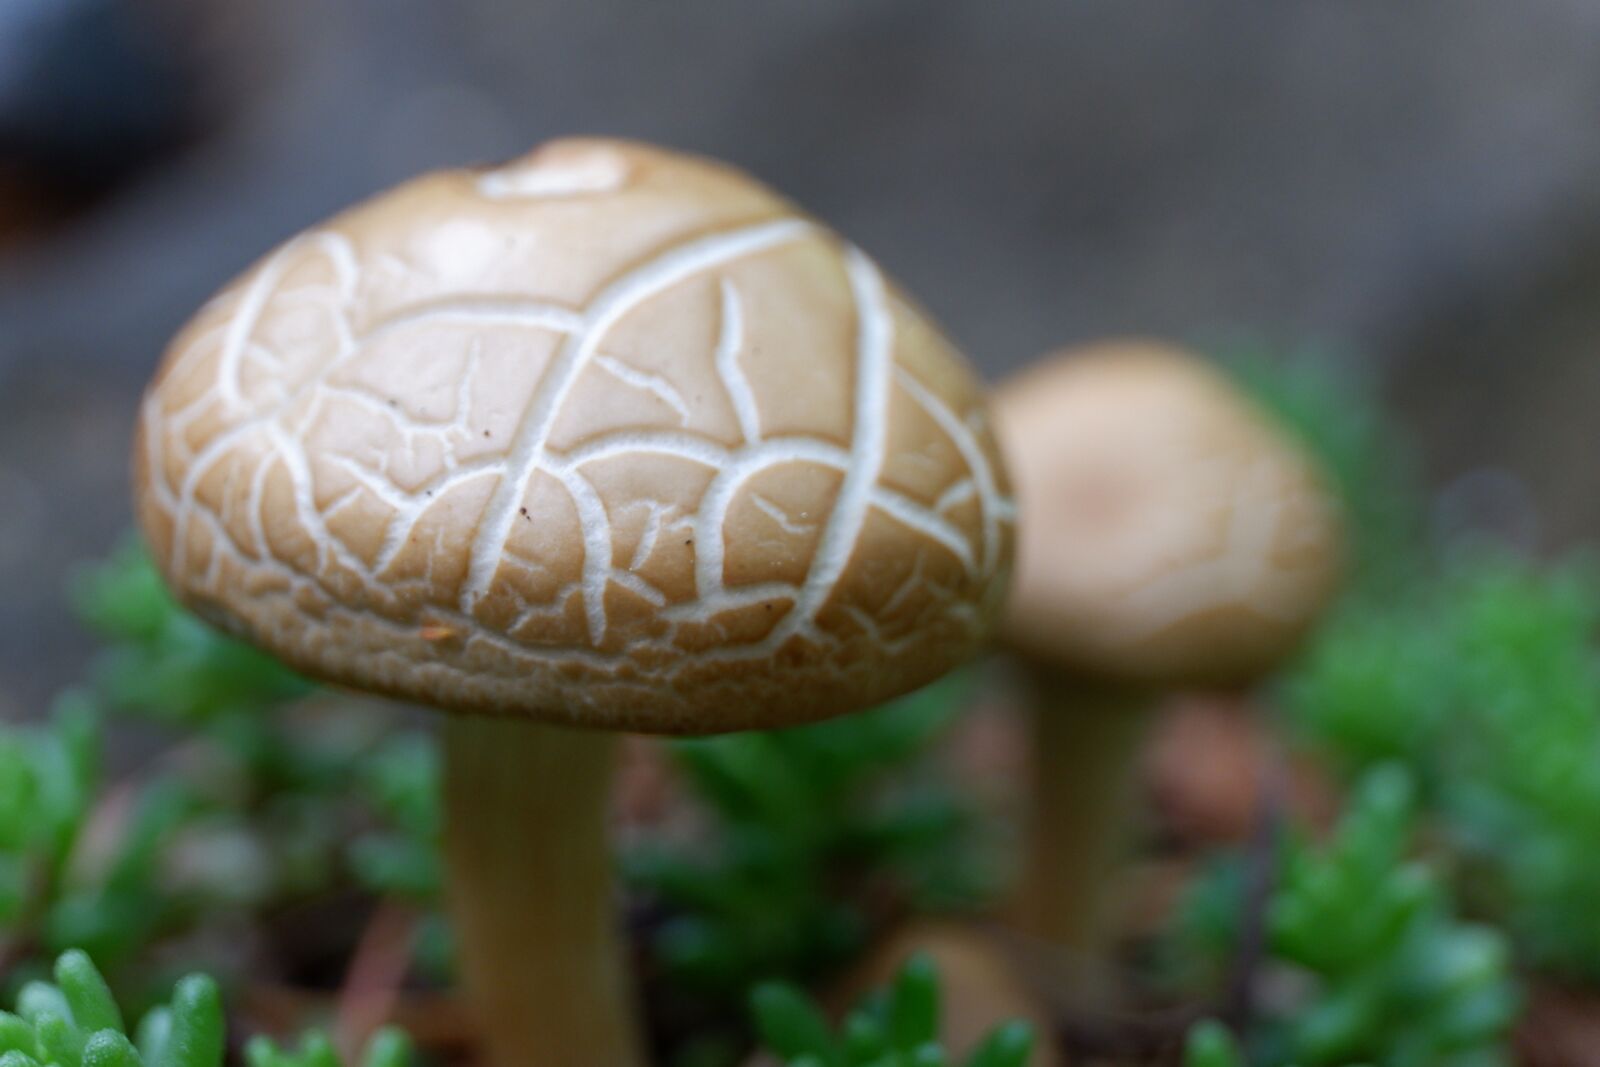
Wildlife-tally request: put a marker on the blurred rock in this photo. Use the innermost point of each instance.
(1559, 1028)
(89, 89)
(1209, 764)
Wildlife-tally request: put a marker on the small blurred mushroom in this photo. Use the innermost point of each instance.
(980, 985)
(606, 439)
(1171, 537)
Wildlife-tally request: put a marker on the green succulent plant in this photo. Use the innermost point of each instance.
(282, 805)
(804, 820)
(162, 661)
(1458, 692)
(896, 1027)
(388, 1048)
(805, 825)
(75, 1021)
(1365, 960)
(1474, 668)
(57, 888)
(48, 777)
(1368, 465)
(1486, 684)
(1210, 1044)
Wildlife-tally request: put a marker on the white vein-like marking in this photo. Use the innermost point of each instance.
(912, 580)
(971, 453)
(410, 511)
(870, 625)
(674, 443)
(410, 506)
(342, 255)
(342, 258)
(410, 428)
(216, 450)
(654, 384)
(482, 311)
(263, 287)
(958, 493)
(555, 608)
(305, 506)
(253, 506)
(464, 388)
(705, 609)
(595, 172)
(244, 320)
(781, 517)
(736, 467)
(647, 536)
(528, 448)
(908, 512)
(154, 454)
(402, 423)
(342, 501)
(730, 338)
(261, 355)
(638, 586)
(597, 549)
(874, 360)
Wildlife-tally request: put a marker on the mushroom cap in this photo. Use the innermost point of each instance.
(608, 436)
(1171, 533)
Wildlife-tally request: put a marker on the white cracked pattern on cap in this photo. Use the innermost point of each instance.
(609, 435)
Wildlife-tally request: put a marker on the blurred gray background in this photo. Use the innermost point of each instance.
(1412, 188)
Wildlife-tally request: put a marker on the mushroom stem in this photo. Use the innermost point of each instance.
(531, 893)
(1086, 741)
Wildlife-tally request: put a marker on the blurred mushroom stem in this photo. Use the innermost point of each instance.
(531, 893)
(1085, 743)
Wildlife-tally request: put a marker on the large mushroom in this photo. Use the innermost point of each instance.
(1172, 536)
(608, 438)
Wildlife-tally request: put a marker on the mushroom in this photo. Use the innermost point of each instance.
(981, 984)
(1171, 536)
(605, 439)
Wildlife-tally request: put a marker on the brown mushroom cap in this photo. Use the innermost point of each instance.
(1170, 532)
(608, 436)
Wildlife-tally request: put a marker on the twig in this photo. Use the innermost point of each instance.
(1260, 881)
(1145, 1039)
(377, 970)
(1087, 1031)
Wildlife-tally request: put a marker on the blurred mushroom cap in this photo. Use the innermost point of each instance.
(1170, 532)
(607, 436)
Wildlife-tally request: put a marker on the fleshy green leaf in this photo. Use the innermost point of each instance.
(86, 993)
(197, 1028)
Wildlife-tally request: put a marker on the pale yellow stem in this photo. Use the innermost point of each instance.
(531, 894)
(1085, 747)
